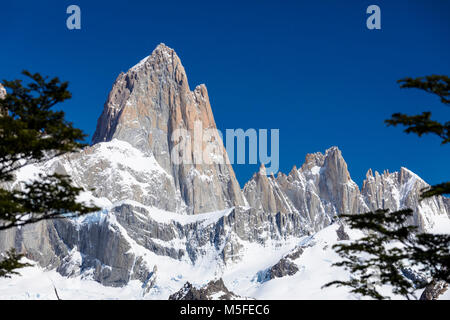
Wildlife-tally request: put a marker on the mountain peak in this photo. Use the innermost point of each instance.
(161, 55)
(135, 94)
(333, 152)
(406, 174)
(262, 169)
(369, 174)
(313, 159)
(162, 46)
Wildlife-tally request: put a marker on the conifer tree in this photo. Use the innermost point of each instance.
(31, 132)
(391, 246)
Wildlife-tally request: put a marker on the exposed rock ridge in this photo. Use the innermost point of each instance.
(322, 188)
(214, 290)
(2, 91)
(319, 190)
(146, 107)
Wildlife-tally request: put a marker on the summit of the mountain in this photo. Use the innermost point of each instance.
(149, 106)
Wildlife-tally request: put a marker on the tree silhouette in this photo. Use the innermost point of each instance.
(31, 133)
(390, 246)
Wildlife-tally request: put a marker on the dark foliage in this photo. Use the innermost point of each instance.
(31, 132)
(390, 245)
(10, 262)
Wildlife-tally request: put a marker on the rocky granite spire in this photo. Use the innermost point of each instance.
(263, 193)
(399, 190)
(147, 106)
(317, 191)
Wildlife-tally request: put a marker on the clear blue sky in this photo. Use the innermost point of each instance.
(310, 68)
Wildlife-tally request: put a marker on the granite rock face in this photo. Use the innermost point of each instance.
(151, 107)
(318, 191)
(322, 189)
(284, 267)
(399, 190)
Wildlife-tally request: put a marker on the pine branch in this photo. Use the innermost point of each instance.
(10, 263)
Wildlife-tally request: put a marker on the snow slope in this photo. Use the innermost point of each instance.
(163, 248)
(314, 264)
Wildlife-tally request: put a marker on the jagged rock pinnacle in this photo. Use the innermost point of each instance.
(152, 102)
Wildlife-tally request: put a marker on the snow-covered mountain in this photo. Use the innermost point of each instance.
(164, 224)
(322, 189)
(146, 107)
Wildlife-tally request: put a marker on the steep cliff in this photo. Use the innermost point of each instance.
(152, 108)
